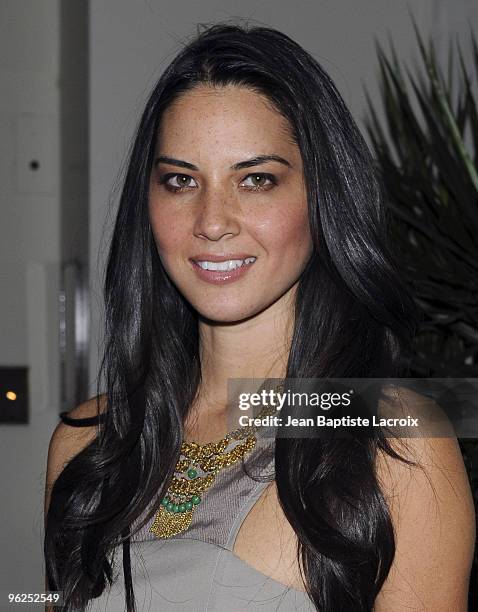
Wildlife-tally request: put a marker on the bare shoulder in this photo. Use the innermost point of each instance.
(67, 441)
(433, 516)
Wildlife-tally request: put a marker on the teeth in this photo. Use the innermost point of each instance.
(225, 266)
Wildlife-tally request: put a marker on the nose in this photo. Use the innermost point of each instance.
(217, 215)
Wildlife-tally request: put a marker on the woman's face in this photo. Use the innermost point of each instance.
(212, 200)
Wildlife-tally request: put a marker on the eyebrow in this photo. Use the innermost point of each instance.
(248, 163)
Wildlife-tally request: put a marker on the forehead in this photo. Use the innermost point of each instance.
(229, 114)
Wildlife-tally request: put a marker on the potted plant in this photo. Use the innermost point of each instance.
(426, 148)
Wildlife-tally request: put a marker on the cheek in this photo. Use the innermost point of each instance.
(289, 233)
(167, 232)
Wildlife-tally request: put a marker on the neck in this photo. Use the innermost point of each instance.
(254, 348)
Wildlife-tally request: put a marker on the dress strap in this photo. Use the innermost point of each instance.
(250, 501)
(85, 422)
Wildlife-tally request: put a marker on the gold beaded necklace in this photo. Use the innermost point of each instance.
(183, 495)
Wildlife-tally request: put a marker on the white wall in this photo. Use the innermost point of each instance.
(29, 247)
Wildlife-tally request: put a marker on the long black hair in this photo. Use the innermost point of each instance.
(353, 318)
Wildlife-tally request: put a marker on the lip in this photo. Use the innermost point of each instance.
(217, 258)
(221, 277)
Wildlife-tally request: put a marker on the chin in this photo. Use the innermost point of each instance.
(227, 315)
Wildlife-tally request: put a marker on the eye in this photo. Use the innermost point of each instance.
(259, 181)
(182, 181)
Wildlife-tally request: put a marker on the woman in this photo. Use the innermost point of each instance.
(245, 153)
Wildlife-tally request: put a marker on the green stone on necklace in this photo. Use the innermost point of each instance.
(184, 507)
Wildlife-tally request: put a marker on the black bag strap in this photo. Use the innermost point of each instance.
(85, 422)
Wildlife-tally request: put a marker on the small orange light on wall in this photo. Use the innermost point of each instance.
(14, 400)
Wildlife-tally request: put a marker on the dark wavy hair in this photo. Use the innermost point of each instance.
(354, 317)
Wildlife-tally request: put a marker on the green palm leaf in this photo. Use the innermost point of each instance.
(427, 153)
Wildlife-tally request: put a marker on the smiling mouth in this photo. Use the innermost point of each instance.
(224, 266)
(222, 272)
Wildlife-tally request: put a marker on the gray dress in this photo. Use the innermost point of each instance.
(197, 569)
